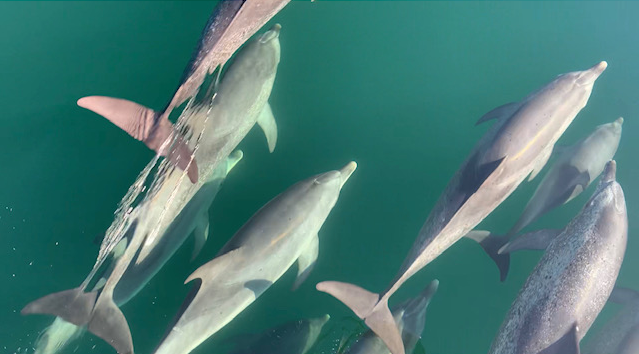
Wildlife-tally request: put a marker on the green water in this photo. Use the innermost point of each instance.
(395, 86)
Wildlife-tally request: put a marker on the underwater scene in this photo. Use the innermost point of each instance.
(319, 177)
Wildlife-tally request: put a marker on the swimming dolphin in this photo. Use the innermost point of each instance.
(295, 337)
(231, 24)
(239, 102)
(572, 281)
(620, 335)
(192, 219)
(283, 231)
(409, 316)
(517, 145)
(575, 168)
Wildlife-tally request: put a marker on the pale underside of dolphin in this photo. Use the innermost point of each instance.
(569, 286)
(517, 145)
(282, 232)
(574, 169)
(239, 102)
(231, 24)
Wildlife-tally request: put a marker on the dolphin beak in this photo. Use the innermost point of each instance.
(271, 34)
(324, 319)
(596, 70)
(347, 171)
(610, 172)
(619, 121)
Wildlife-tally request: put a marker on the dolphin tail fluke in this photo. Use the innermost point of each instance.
(73, 306)
(143, 124)
(367, 306)
(109, 323)
(491, 244)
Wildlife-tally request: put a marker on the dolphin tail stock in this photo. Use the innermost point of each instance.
(491, 244)
(74, 306)
(146, 125)
(369, 307)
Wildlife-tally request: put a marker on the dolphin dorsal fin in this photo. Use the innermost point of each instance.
(567, 344)
(266, 120)
(306, 261)
(503, 111)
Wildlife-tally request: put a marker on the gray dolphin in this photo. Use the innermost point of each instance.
(620, 335)
(231, 24)
(517, 145)
(295, 337)
(283, 231)
(409, 316)
(575, 168)
(239, 102)
(572, 281)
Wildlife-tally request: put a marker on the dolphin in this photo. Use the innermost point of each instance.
(575, 168)
(192, 219)
(517, 145)
(572, 281)
(283, 231)
(295, 337)
(231, 24)
(409, 316)
(620, 335)
(239, 102)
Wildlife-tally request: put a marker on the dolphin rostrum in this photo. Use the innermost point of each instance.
(231, 24)
(409, 316)
(283, 231)
(517, 145)
(575, 168)
(620, 335)
(240, 102)
(295, 337)
(572, 281)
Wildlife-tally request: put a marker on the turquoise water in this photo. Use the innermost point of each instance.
(395, 86)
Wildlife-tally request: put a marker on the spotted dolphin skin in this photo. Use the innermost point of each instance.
(620, 335)
(283, 231)
(517, 145)
(410, 317)
(295, 337)
(240, 101)
(232, 23)
(575, 168)
(572, 281)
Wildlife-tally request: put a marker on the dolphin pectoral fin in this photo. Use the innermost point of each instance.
(539, 164)
(215, 266)
(143, 124)
(73, 306)
(201, 233)
(109, 323)
(567, 344)
(535, 240)
(233, 159)
(258, 286)
(502, 111)
(580, 183)
(266, 120)
(306, 261)
(621, 295)
(491, 244)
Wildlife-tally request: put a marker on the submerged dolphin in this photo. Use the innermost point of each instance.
(576, 167)
(620, 335)
(239, 102)
(572, 281)
(231, 24)
(193, 219)
(517, 145)
(283, 231)
(295, 337)
(409, 316)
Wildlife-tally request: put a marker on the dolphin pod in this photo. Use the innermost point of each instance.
(295, 337)
(283, 231)
(575, 168)
(570, 285)
(239, 102)
(517, 145)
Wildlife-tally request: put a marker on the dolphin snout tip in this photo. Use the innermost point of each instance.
(619, 121)
(610, 171)
(347, 171)
(599, 68)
